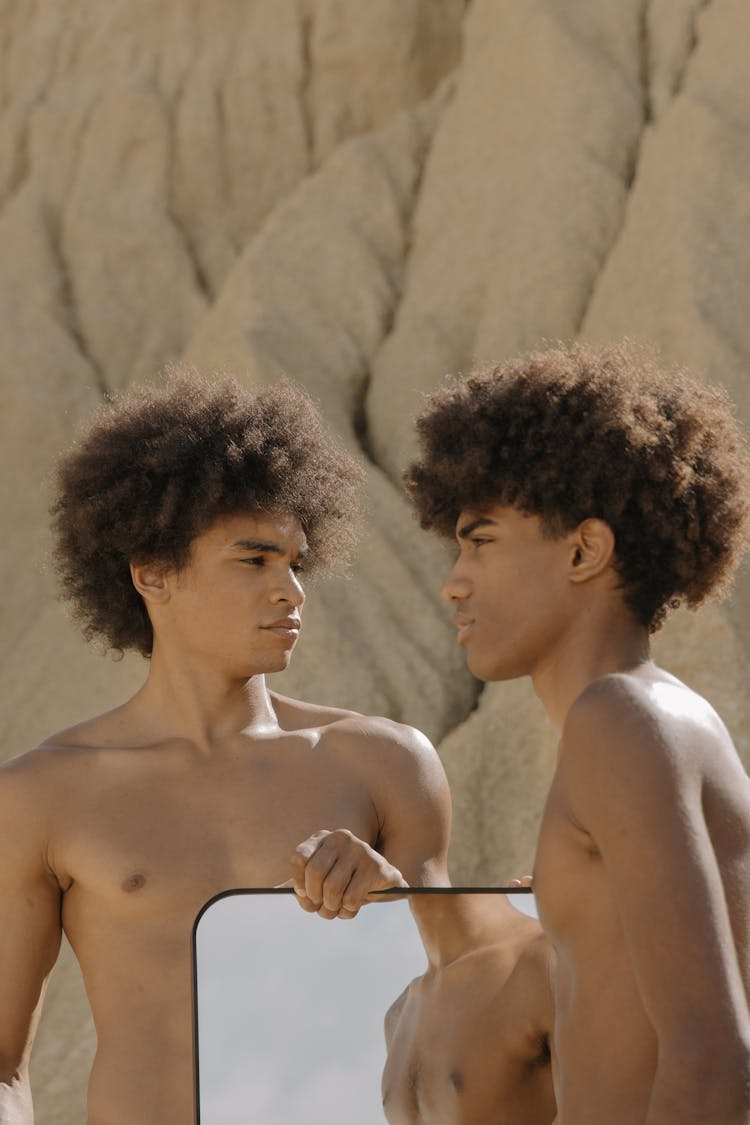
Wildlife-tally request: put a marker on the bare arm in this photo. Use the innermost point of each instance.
(30, 934)
(415, 807)
(334, 871)
(636, 788)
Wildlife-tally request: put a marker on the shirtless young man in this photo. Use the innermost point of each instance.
(589, 492)
(183, 521)
(469, 1042)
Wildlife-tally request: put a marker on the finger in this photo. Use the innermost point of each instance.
(288, 883)
(318, 868)
(346, 914)
(324, 912)
(305, 903)
(336, 882)
(302, 855)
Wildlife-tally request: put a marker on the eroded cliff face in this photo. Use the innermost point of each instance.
(366, 197)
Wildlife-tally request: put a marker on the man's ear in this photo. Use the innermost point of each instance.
(151, 581)
(592, 550)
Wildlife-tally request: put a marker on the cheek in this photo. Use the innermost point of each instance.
(496, 593)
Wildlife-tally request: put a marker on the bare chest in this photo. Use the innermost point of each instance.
(171, 838)
(456, 1059)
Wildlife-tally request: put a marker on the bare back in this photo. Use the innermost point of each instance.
(643, 883)
(136, 838)
(469, 1043)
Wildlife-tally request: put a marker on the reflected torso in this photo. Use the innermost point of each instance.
(140, 839)
(466, 1042)
(599, 1014)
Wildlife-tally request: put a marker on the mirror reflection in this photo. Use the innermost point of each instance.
(301, 1021)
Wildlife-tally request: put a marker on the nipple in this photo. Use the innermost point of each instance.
(134, 882)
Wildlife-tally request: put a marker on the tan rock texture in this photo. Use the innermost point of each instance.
(363, 197)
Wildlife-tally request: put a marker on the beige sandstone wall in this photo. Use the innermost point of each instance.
(367, 196)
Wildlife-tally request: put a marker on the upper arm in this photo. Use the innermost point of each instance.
(412, 799)
(634, 788)
(30, 924)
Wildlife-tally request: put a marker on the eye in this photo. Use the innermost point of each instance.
(297, 568)
(258, 560)
(479, 542)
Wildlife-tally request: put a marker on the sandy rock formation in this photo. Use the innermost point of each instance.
(670, 36)
(520, 202)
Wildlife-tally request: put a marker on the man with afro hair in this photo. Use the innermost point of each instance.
(590, 492)
(186, 521)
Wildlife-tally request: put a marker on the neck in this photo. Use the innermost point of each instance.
(452, 925)
(181, 700)
(601, 641)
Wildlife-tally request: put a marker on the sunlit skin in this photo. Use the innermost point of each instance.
(642, 872)
(119, 829)
(469, 1041)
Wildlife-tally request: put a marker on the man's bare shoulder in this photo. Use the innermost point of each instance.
(399, 770)
(37, 770)
(29, 785)
(659, 720)
(352, 729)
(98, 732)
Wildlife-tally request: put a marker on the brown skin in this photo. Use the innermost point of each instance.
(469, 1042)
(118, 830)
(642, 873)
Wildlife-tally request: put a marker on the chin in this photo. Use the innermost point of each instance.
(491, 670)
(264, 667)
(279, 663)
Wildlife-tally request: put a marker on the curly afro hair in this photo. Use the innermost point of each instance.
(570, 433)
(158, 466)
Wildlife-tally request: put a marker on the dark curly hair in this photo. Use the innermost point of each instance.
(569, 433)
(158, 466)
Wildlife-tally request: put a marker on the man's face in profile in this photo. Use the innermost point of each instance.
(507, 589)
(237, 602)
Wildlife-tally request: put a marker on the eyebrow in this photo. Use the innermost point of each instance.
(469, 528)
(259, 545)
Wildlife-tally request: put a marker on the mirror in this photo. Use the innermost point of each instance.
(289, 1008)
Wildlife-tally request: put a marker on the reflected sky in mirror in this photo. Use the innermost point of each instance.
(290, 1008)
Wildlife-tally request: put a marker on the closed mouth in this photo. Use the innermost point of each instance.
(463, 628)
(288, 627)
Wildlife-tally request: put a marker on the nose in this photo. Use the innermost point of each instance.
(289, 591)
(456, 587)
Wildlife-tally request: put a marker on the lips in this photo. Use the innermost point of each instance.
(463, 628)
(284, 627)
